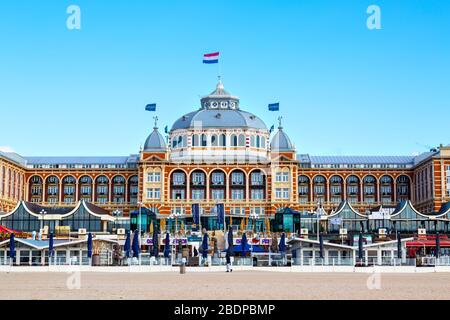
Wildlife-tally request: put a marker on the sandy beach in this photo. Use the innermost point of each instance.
(214, 285)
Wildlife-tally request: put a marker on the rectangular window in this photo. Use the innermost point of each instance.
(238, 211)
(218, 194)
(237, 194)
(369, 190)
(282, 193)
(154, 177)
(278, 177)
(285, 193)
(153, 193)
(448, 180)
(101, 190)
(198, 194)
(85, 190)
(282, 177)
(352, 190)
(178, 194)
(319, 189)
(70, 190)
(257, 194)
(119, 189)
(52, 190)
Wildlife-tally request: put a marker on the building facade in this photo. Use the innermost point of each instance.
(223, 154)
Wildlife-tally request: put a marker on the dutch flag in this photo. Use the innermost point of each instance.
(211, 57)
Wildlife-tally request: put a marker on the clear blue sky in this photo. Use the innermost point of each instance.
(343, 89)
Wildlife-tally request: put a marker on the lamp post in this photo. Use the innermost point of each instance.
(319, 213)
(175, 215)
(43, 213)
(254, 216)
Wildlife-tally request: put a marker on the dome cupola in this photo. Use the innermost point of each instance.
(155, 141)
(280, 141)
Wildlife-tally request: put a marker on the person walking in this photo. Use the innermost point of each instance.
(229, 266)
(229, 242)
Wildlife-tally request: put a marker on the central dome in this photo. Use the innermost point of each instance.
(219, 109)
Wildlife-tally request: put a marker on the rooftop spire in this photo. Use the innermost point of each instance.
(156, 122)
(279, 122)
(220, 88)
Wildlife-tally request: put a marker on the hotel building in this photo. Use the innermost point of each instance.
(223, 154)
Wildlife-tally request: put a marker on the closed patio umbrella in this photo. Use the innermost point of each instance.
(282, 245)
(399, 245)
(205, 246)
(89, 245)
(50, 246)
(136, 245)
(244, 244)
(167, 246)
(321, 246)
(155, 244)
(360, 246)
(230, 242)
(12, 249)
(438, 246)
(127, 245)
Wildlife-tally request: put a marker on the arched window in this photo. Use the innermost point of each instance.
(35, 188)
(241, 140)
(369, 188)
(85, 187)
(174, 142)
(69, 189)
(217, 185)
(386, 189)
(263, 142)
(252, 141)
(234, 140)
(52, 184)
(223, 140)
(204, 141)
(118, 189)
(195, 140)
(403, 188)
(336, 186)
(180, 142)
(133, 189)
(303, 189)
(258, 141)
(353, 193)
(214, 140)
(102, 189)
(319, 188)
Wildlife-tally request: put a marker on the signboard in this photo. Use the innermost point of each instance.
(174, 241)
(146, 241)
(194, 239)
(62, 230)
(367, 239)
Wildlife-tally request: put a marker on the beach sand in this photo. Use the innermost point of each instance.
(217, 285)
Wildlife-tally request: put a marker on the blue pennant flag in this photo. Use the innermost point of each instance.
(150, 107)
(274, 107)
(272, 128)
(220, 214)
(196, 213)
(166, 129)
